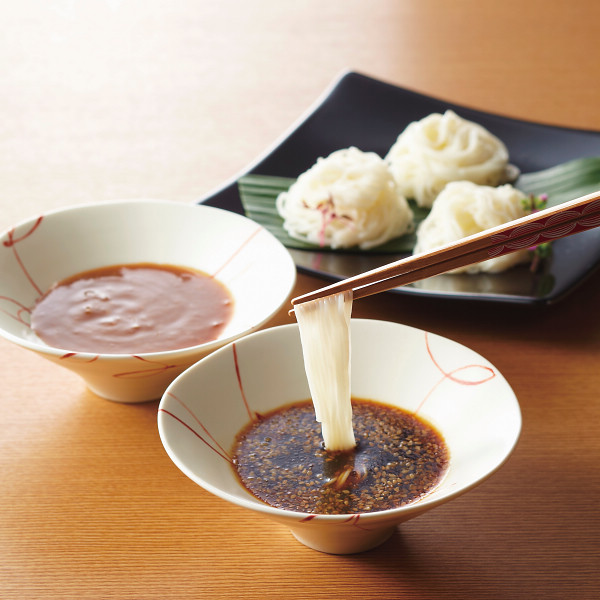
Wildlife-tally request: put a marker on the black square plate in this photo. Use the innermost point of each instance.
(361, 111)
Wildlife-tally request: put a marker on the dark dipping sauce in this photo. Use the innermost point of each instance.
(280, 459)
(133, 309)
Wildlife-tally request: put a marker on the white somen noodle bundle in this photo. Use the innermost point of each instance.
(464, 208)
(349, 198)
(439, 149)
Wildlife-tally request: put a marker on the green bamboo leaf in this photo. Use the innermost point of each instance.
(563, 182)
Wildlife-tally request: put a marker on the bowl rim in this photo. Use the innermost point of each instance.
(42, 348)
(394, 514)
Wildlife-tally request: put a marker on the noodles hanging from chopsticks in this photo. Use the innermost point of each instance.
(325, 335)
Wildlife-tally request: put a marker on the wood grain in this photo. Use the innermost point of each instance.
(112, 99)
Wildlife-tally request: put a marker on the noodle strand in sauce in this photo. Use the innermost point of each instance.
(282, 458)
(325, 335)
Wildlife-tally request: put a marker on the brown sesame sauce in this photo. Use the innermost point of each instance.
(132, 309)
(280, 459)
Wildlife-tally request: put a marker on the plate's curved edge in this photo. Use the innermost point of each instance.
(472, 109)
(346, 74)
(313, 108)
(227, 196)
(321, 100)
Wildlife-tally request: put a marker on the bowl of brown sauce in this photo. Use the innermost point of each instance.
(432, 419)
(129, 294)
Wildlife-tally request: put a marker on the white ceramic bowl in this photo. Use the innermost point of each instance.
(450, 386)
(253, 265)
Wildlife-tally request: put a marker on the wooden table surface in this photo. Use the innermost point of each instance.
(150, 98)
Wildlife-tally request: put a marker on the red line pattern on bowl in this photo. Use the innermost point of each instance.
(452, 375)
(72, 354)
(237, 252)
(157, 367)
(21, 309)
(12, 241)
(217, 448)
(251, 415)
(353, 519)
(20, 312)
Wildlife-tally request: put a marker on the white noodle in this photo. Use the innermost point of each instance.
(349, 198)
(464, 208)
(325, 336)
(439, 149)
